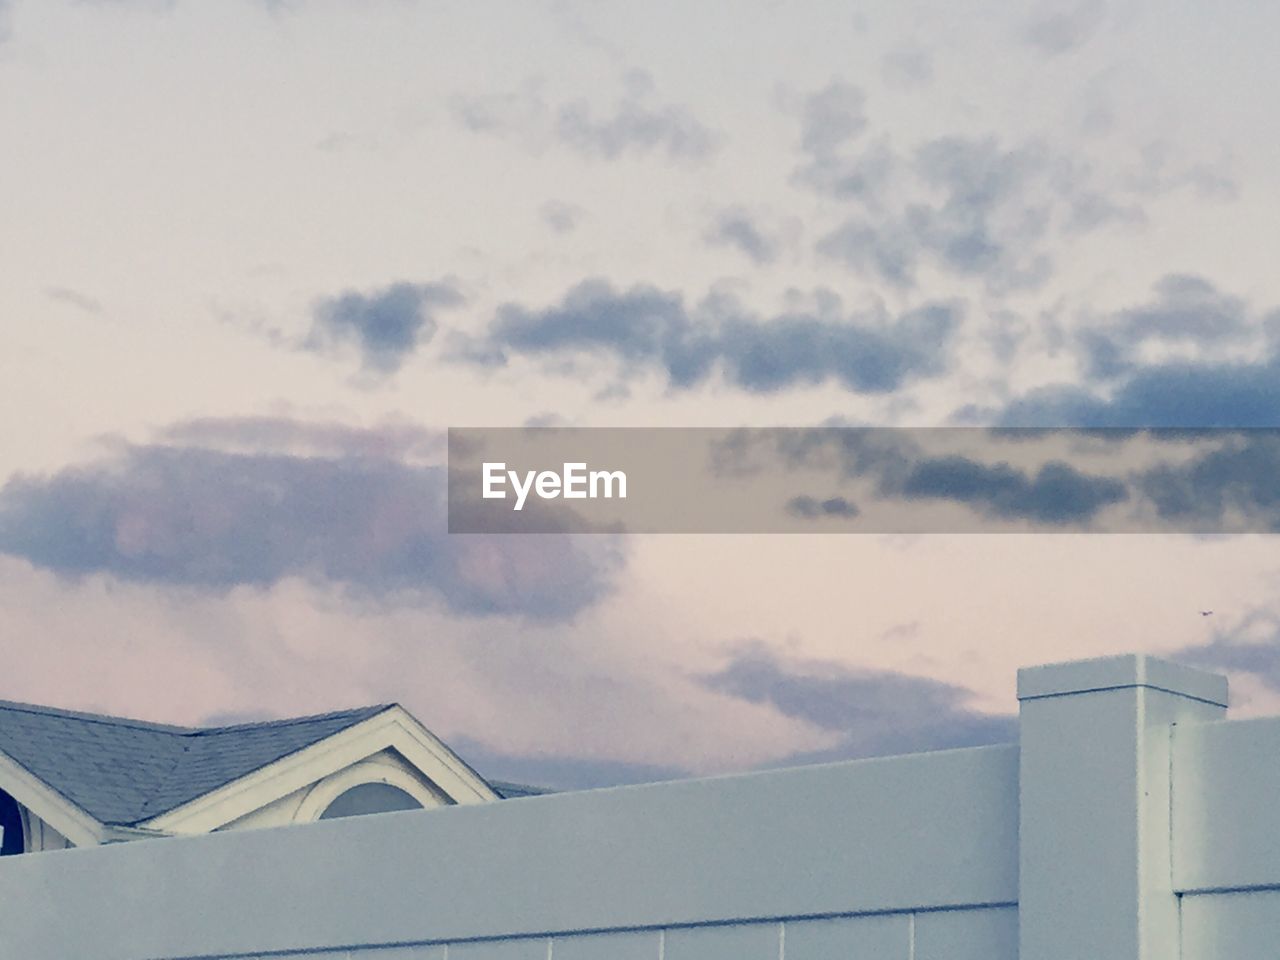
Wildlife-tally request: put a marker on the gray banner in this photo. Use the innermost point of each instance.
(862, 480)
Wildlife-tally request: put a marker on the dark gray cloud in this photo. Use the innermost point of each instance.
(1194, 480)
(1195, 379)
(1239, 476)
(812, 508)
(636, 124)
(908, 465)
(831, 118)
(833, 122)
(875, 712)
(1183, 394)
(1186, 310)
(212, 519)
(975, 207)
(969, 205)
(645, 329)
(385, 326)
(738, 229)
(1057, 493)
(1250, 646)
(1059, 27)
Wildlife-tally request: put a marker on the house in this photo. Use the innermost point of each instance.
(71, 779)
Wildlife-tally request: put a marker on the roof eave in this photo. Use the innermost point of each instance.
(227, 802)
(43, 799)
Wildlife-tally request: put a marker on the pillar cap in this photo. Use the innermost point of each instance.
(1118, 673)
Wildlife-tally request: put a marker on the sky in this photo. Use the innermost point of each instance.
(256, 256)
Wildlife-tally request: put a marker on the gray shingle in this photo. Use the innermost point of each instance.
(127, 771)
(513, 791)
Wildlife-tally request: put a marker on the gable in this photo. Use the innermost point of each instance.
(212, 758)
(123, 772)
(97, 777)
(390, 733)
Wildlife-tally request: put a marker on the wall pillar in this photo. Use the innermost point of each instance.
(1095, 862)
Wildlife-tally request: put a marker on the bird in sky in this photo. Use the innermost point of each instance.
(1206, 613)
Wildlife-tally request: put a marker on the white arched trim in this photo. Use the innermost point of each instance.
(392, 729)
(330, 788)
(25, 817)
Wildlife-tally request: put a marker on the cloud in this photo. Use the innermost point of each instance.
(646, 329)
(634, 127)
(970, 205)
(1194, 356)
(976, 208)
(908, 68)
(1182, 394)
(811, 507)
(561, 217)
(1237, 477)
(913, 466)
(1056, 494)
(1187, 310)
(72, 297)
(561, 771)
(206, 518)
(636, 124)
(385, 326)
(833, 122)
(1164, 169)
(1059, 28)
(831, 118)
(393, 440)
(1250, 646)
(738, 229)
(520, 113)
(875, 712)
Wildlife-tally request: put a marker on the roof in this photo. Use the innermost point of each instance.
(124, 772)
(513, 791)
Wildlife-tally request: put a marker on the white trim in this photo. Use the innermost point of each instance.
(392, 728)
(318, 799)
(77, 825)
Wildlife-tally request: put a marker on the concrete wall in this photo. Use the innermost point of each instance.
(1131, 822)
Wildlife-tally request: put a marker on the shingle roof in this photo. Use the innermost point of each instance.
(125, 772)
(513, 791)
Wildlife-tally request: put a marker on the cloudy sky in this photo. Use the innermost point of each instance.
(256, 255)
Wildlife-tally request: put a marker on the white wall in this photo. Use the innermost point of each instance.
(920, 836)
(1127, 822)
(1227, 838)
